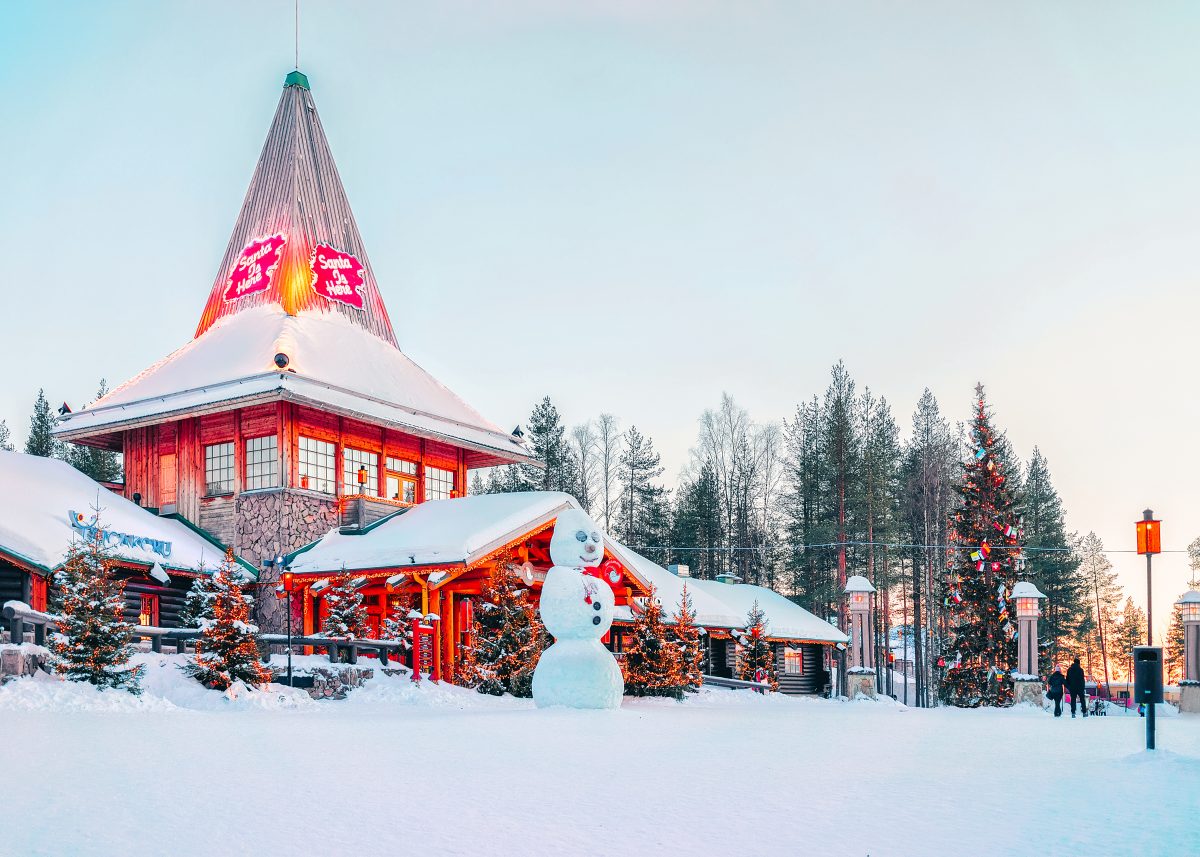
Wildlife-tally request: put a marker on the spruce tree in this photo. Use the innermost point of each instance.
(507, 637)
(227, 650)
(696, 525)
(41, 440)
(685, 634)
(643, 520)
(756, 651)
(652, 659)
(347, 617)
(982, 571)
(547, 438)
(5, 437)
(1129, 631)
(103, 465)
(198, 603)
(1052, 565)
(1103, 594)
(94, 641)
(1176, 643)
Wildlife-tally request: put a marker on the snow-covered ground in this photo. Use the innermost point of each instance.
(438, 770)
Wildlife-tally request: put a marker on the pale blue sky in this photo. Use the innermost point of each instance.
(633, 210)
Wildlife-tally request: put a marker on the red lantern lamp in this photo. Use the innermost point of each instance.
(1149, 536)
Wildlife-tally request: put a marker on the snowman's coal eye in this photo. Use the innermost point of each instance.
(581, 535)
(595, 537)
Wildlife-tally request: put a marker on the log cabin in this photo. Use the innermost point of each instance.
(157, 556)
(292, 409)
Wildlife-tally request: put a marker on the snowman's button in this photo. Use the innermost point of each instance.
(595, 605)
(596, 619)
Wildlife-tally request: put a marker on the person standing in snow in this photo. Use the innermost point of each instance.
(1076, 686)
(1057, 681)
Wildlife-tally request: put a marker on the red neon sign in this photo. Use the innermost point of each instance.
(337, 276)
(254, 268)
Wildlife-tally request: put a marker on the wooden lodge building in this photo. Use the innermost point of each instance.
(292, 424)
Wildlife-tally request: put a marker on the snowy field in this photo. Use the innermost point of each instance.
(395, 770)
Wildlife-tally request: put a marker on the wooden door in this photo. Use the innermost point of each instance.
(166, 480)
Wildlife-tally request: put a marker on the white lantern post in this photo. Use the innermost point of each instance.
(861, 671)
(1189, 687)
(1027, 683)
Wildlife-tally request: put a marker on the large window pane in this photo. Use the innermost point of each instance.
(218, 468)
(352, 460)
(318, 465)
(262, 462)
(438, 483)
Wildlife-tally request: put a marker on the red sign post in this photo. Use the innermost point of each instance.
(424, 649)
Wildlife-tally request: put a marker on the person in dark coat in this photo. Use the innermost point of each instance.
(1076, 687)
(1057, 682)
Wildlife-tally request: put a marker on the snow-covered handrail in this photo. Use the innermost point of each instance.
(735, 683)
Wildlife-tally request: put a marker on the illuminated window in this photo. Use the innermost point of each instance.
(148, 612)
(317, 465)
(262, 462)
(793, 662)
(218, 468)
(352, 460)
(401, 480)
(438, 483)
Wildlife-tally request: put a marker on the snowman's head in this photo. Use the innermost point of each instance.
(577, 541)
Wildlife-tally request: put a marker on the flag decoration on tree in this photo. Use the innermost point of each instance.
(653, 666)
(986, 553)
(507, 637)
(227, 650)
(757, 657)
(94, 642)
(685, 633)
(347, 617)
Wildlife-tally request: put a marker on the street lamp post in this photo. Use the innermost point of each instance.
(1149, 542)
(285, 579)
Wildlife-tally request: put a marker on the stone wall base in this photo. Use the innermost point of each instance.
(23, 660)
(1025, 690)
(329, 682)
(860, 684)
(1189, 699)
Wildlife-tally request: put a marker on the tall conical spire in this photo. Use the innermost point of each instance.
(295, 243)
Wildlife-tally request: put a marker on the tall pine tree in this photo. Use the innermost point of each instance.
(981, 574)
(685, 633)
(103, 465)
(5, 437)
(644, 519)
(756, 659)
(41, 440)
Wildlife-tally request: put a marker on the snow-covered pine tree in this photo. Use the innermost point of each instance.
(5, 437)
(756, 653)
(652, 663)
(398, 626)
(198, 603)
(506, 640)
(643, 519)
(547, 438)
(41, 440)
(94, 642)
(227, 650)
(1176, 643)
(981, 573)
(685, 633)
(347, 617)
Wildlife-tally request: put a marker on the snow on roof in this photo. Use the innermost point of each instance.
(35, 525)
(1025, 589)
(332, 363)
(1189, 597)
(785, 618)
(858, 583)
(436, 532)
(710, 611)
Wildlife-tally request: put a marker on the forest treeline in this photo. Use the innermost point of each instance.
(834, 490)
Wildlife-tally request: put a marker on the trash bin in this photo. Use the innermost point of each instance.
(1147, 674)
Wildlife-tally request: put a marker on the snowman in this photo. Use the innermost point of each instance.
(577, 608)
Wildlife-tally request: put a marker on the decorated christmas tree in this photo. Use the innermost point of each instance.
(685, 633)
(227, 650)
(198, 604)
(652, 663)
(506, 639)
(398, 626)
(94, 642)
(347, 617)
(986, 540)
(757, 657)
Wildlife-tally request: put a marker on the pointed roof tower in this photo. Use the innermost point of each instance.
(294, 212)
(295, 315)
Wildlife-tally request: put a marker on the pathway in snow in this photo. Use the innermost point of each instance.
(393, 770)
